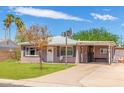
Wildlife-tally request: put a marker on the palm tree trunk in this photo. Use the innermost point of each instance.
(5, 33)
(9, 34)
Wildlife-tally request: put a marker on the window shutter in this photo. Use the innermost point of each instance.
(74, 51)
(58, 51)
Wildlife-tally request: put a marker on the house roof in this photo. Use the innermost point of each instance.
(112, 43)
(57, 40)
(60, 40)
(7, 44)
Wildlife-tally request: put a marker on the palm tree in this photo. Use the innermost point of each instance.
(19, 23)
(7, 23)
(21, 29)
(6, 28)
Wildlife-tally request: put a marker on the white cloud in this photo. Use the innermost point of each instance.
(104, 17)
(47, 13)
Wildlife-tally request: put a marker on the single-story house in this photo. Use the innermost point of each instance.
(78, 51)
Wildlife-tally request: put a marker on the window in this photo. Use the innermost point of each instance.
(62, 51)
(103, 51)
(30, 51)
(69, 51)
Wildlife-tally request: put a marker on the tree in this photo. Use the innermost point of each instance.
(96, 34)
(7, 23)
(20, 36)
(38, 37)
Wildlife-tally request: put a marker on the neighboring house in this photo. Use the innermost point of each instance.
(6, 49)
(119, 54)
(78, 51)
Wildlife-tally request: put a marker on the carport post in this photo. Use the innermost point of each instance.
(77, 55)
(109, 54)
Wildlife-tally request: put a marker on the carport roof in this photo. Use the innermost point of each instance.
(111, 43)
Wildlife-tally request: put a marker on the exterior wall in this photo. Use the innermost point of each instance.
(35, 59)
(32, 59)
(98, 55)
(70, 59)
(97, 52)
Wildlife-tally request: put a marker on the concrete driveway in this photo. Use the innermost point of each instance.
(88, 75)
(68, 77)
(106, 76)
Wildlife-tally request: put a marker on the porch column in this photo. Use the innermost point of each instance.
(109, 54)
(22, 51)
(77, 55)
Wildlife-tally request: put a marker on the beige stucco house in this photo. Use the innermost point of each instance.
(78, 51)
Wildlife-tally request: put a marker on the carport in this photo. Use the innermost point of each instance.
(95, 51)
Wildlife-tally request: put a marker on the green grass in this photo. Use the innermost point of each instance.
(11, 69)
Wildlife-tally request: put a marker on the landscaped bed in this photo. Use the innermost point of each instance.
(11, 69)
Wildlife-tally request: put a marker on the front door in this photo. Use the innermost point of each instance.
(50, 54)
(90, 54)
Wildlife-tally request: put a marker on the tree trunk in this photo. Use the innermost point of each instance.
(9, 34)
(6, 36)
(5, 32)
(41, 60)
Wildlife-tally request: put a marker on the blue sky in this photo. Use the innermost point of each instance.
(60, 18)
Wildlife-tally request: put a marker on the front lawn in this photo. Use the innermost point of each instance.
(11, 69)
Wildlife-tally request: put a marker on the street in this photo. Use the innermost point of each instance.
(10, 85)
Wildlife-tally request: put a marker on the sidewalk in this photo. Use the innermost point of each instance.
(19, 83)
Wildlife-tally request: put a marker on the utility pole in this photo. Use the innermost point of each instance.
(67, 34)
(66, 49)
